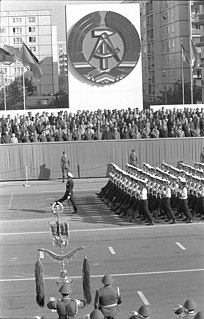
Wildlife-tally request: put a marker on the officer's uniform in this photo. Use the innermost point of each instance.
(107, 298)
(65, 165)
(69, 193)
(66, 307)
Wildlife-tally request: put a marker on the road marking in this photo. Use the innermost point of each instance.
(10, 201)
(181, 246)
(94, 229)
(113, 275)
(143, 298)
(112, 250)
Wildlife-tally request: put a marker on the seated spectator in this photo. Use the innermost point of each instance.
(179, 132)
(6, 138)
(25, 137)
(34, 137)
(14, 139)
(116, 134)
(42, 137)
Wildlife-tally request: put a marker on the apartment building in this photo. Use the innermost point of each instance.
(164, 25)
(35, 29)
(199, 25)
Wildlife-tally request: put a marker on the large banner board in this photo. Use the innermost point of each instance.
(104, 55)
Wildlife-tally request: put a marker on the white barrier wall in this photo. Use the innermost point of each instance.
(121, 95)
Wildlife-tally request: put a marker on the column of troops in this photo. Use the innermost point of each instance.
(149, 194)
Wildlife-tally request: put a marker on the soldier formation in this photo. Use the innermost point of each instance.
(149, 194)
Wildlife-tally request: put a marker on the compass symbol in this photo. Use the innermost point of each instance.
(104, 48)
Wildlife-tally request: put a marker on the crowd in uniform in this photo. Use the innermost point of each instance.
(101, 125)
(152, 193)
(107, 302)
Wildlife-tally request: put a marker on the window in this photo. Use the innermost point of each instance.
(33, 49)
(16, 20)
(32, 39)
(17, 40)
(2, 30)
(31, 29)
(172, 28)
(17, 30)
(18, 70)
(31, 19)
(3, 70)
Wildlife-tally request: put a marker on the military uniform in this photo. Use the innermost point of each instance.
(66, 307)
(65, 166)
(107, 298)
(69, 193)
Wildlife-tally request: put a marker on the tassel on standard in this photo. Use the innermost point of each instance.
(39, 280)
(86, 281)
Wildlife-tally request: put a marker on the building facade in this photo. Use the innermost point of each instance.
(165, 25)
(199, 25)
(35, 29)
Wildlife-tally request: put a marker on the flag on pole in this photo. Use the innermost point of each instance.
(196, 61)
(14, 51)
(6, 57)
(184, 55)
(31, 62)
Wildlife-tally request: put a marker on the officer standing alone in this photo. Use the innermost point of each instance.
(69, 193)
(65, 166)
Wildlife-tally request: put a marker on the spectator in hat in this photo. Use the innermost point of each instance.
(65, 165)
(66, 307)
(69, 193)
(108, 298)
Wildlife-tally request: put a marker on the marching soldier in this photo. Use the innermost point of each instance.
(108, 298)
(143, 202)
(183, 201)
(66, 307)
(165, 203)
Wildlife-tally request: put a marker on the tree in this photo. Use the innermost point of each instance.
(174, 95)
(14, 94)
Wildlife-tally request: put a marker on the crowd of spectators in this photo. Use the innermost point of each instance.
(101, 125)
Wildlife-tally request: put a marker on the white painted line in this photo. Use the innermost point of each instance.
(113, 275)
(143, 298)
(10, 201)
(181, 246)
(129, 228)
(112, 250)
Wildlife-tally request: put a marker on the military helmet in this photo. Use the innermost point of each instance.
(145, 311)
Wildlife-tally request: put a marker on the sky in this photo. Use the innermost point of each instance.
(57, 7)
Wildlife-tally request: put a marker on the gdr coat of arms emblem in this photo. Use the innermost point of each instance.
(104, 47)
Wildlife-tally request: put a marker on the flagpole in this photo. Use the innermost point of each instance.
(182, 75)
(4, 91)
(24, 91)
(190, 46)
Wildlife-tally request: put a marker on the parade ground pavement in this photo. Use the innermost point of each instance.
(160, 265)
